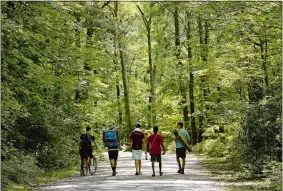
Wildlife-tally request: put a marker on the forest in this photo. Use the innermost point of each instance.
(216, 66)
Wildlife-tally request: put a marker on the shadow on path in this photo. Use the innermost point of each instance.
(196, 177)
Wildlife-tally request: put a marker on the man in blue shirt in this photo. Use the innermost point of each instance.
(180, 149)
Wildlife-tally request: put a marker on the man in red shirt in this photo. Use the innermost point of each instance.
(137, 139)
(155, 142)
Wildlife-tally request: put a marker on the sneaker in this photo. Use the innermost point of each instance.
(140, 173)
(160, 173)
(182, 171)
(153, 174)
(137, 173)
(179, 171)
(114, 173)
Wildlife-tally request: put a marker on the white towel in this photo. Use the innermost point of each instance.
(137, 129)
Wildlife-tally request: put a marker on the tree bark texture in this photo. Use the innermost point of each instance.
(116, 65)
(152, 70)
(181, 68)
(191, 82)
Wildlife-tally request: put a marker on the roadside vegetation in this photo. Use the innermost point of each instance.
(216, 66)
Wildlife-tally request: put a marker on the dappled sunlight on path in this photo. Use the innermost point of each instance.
(195, 178)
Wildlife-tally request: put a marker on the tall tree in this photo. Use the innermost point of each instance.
(180, 66)
(122, 51)
(152, 67)
(191, 82)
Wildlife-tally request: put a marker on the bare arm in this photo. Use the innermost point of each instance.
(144, 145)
(163, 148)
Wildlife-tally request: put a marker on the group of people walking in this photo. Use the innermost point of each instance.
(139, 143)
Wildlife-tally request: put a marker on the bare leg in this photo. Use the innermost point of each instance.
(152, 166)
(82, 164)
(137, 165)
(183, 163)
(160, 167)
(139, 162)
(114, 166)
(112, 162)
(179, 163)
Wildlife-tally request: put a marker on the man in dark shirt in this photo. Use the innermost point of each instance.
(137, 139)
(85, 147)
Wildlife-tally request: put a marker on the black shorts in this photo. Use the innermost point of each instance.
(86, 152)
(113, 155)
(155, 158)
(181, 152)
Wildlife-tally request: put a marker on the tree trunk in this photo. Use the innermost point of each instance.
(152, 69)
(203, 39)
(180, 67)
(126, 88)
(120, 115)
(115, 60)
(77, 31)
(191, 83)
(263, 49)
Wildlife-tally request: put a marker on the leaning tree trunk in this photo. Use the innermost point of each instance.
(180, 67)
(191, 82)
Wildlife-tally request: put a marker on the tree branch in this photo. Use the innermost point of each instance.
(105, 4)
(143, 17)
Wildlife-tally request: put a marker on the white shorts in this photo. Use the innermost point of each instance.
(136, 154)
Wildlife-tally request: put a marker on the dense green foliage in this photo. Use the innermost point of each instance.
(65, 64)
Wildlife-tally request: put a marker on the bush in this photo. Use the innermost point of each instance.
(19, 169)
(211, 147)
(198, 148)
(274, 174)
(260, 135)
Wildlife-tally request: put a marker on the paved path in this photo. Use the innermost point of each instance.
(196, 178)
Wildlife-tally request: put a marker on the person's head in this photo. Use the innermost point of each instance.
(138, 125)
(88, 128)
(180, 124)
(155, 129)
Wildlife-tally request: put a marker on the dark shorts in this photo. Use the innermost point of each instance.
(86, 152)
(155, 158)
(113, 155)
(181, 152)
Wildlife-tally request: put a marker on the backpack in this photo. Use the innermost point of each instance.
(86, 139)
(111, 138)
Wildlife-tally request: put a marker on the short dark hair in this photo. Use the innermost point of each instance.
(88, 128)
(138, 125)
(180, 124)
(155, 129)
